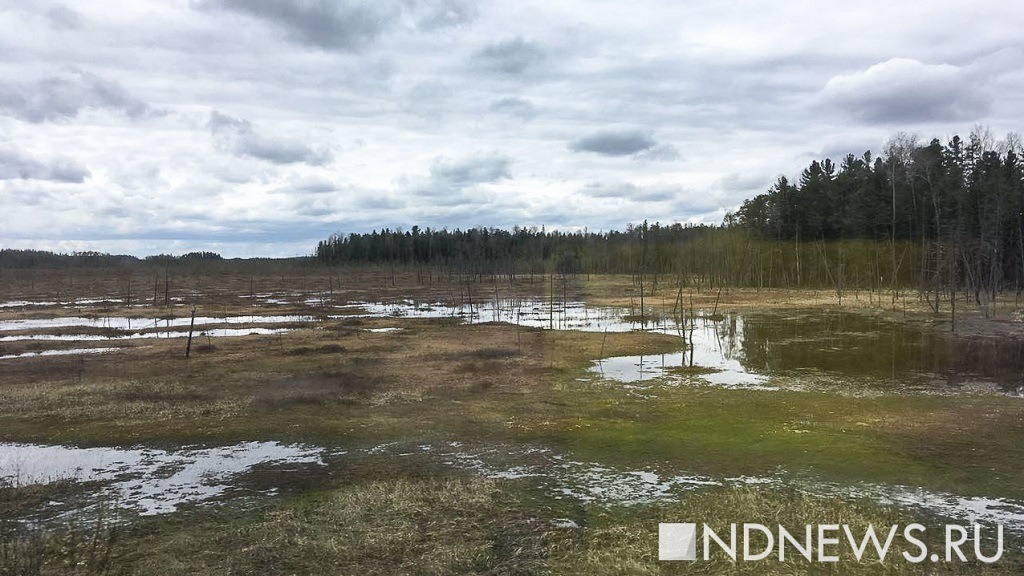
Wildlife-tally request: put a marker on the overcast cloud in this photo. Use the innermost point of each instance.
(259, 128)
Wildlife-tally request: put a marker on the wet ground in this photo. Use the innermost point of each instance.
(731, 349)
(151, 481)
(793, 349)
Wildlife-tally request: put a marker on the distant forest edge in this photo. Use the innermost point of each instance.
(26, 259)
(938, 217)
(942, 218)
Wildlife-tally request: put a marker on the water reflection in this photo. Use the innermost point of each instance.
(841, 347)
(149, 480)
(713, 353)
(749, 349)
(850, 344)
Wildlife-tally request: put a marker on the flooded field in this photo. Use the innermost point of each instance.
(151, 481)
(748, 349)
(574, 406)
(732, 349)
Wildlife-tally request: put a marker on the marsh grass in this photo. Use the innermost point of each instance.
(394, 526)
(322, 349)
(340, 384)
(76, 546)
(393, 523)
(345, 385)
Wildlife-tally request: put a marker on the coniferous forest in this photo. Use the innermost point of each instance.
(939, 217)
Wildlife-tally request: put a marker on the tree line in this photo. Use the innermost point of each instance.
(939, 216)
(27, 259)
(494, 250)
(944, 218)
(952, 214)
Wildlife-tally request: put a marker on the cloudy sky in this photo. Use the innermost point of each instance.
(252, 127)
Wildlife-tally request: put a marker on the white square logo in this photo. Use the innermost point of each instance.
(677, 541)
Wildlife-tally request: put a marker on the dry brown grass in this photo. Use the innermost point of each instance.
(444, 526)
(399, 526)
(150, 387)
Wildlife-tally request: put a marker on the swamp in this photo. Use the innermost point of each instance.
(340, 420)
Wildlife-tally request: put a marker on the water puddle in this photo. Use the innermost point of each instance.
(815, 347)
(27, 303)
(139, 324)
(713, 355)
(152, 481)
(148, 480)
(1009, 513)
(858, 346)
(591, 482)
(78, 302)
(528, 313)
(211, 332)
(67, 352)
(127, 328)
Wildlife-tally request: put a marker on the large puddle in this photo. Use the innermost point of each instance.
(749, 350)
(64, 352)
(151, 481)
(524, 312)
(754, 350)
(111, 328)
(47, 303)
(591, 482)
(147, 480)
(124, 323)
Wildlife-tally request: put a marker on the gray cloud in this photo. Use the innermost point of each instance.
(315, 185)
(15, 166)
(510, 56)
(435, 14)
(655, 113)
(63, 97)
(428, 99)
(240, 138)
(27, 196)
(903, 90)
(630, 191)
(472, 170)
(740, 182)
(455, 182)
(380, 201)
(63, 18)
(344, 26)
(624, 142)
(659, 153)
(514, 106)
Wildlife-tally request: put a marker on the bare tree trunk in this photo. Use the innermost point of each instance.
(191, 327)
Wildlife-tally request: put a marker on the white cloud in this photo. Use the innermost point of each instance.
(352, 115)
(904, 91)
(239, 137)
(64, 96)
(15, 165)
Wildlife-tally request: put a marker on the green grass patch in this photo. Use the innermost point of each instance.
(934, 442)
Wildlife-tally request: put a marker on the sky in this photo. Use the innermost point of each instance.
(258, 128)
